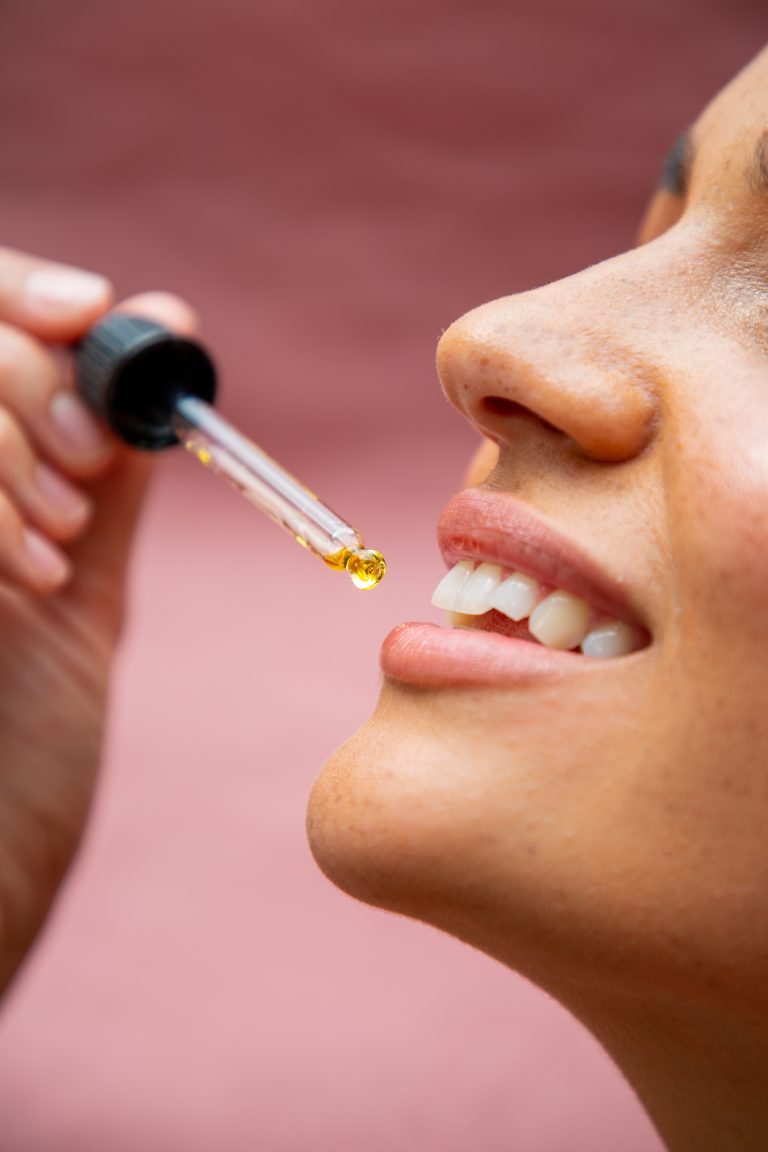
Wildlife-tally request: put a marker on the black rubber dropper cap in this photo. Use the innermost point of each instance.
(131, 372)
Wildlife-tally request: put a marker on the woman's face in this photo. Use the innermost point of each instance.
(599, 821)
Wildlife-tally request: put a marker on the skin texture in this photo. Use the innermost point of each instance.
(607, 838)
(59, 622)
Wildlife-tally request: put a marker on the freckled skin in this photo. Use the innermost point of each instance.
(610, 840)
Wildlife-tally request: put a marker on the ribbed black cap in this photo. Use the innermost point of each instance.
(131, 372)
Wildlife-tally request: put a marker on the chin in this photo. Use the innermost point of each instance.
(384, 817)
(398, 818)
(493, 842)
(362, 832)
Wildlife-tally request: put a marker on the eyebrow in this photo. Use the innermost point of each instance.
(678, 165)
(676, 170)
(758, 172)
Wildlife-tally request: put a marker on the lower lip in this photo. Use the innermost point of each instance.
(429, 655)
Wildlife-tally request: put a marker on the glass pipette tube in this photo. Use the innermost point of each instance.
(219, 446)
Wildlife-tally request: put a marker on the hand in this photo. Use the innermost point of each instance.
(70, 494)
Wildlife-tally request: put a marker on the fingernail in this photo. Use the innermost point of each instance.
(75, 425)
(46, 563)
(59, 495)
(51, 289)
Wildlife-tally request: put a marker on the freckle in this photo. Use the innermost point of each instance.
(531, 849)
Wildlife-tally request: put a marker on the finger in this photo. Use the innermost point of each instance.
(27, 559)
(53, 301)
(33, 388)
(99, 558)
(40, 493)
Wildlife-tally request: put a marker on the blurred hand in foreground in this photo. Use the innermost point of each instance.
(70, 494)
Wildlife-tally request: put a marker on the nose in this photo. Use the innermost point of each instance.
(574, 357)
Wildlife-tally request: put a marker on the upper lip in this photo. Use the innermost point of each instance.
(500, 529)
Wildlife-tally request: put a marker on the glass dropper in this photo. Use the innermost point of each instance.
(156, 389)
(219, 446)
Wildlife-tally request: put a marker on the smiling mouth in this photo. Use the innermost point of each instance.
(490, 598)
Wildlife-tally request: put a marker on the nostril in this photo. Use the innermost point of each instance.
(500, 406)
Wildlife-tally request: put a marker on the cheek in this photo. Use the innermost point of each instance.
(718, 526)
(715, 651)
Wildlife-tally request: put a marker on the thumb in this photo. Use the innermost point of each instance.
(100, 557)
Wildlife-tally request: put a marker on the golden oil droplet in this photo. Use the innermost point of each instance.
(366, 567)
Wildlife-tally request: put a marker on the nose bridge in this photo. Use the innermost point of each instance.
(575, 354)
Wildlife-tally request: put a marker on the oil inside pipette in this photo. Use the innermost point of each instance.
(365, 566)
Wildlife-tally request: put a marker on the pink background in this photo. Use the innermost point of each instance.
(331, 182)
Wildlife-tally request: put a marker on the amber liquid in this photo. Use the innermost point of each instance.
(364, 566)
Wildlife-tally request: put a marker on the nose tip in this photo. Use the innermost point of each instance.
(507, 362)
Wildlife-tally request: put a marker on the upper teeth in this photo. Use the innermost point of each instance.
(558, 619)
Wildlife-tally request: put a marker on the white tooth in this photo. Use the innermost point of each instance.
(560, 620)
(517, 596)
(476, 594)
(613, 638)
(451, 584)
